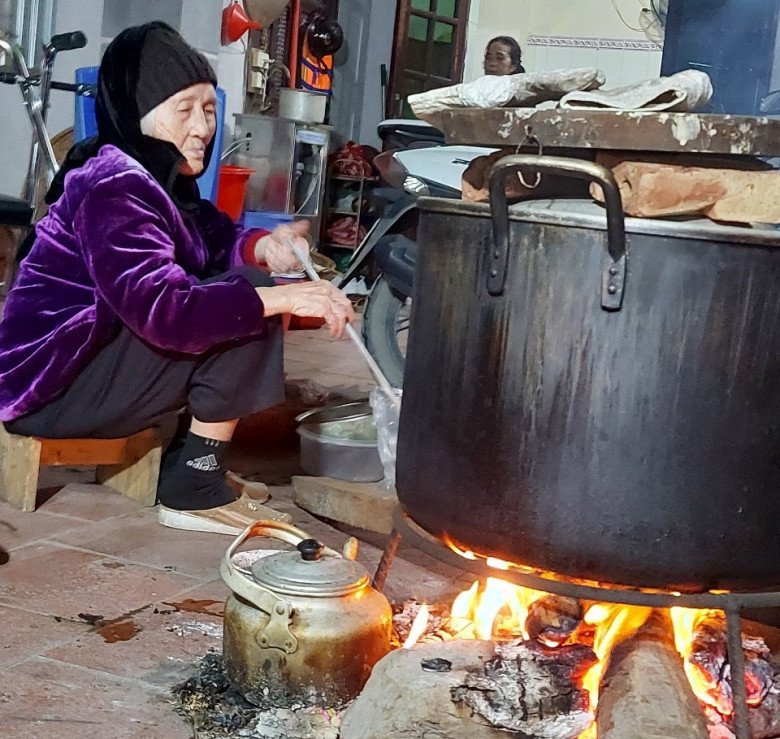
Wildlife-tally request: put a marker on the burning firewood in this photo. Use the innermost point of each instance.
(645, 685)
(708, 659)
(765, 718)
(404, 616)
(709, 670)
(553, 619)
(759, 672)
(532, 689)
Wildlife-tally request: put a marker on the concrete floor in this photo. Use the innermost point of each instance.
(102, 610)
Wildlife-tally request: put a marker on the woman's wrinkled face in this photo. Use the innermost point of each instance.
(498, 59)
(188, 120)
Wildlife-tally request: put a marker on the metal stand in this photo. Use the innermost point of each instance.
(388, 557)
(737, 665)
(732, 604)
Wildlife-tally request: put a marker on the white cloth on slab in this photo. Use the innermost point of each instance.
(685, 91)
(493, 91)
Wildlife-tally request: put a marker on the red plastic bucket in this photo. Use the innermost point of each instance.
(231, 190)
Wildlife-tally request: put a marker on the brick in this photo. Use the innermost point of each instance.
(366, 506)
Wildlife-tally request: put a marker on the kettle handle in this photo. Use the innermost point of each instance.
(277, 632)
(273, 530)
(613, 281)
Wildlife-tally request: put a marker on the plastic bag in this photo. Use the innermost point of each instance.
(386, 414)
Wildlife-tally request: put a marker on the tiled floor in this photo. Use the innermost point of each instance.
(102, 610)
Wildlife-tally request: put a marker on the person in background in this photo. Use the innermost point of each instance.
(503, 56)
(139, 300)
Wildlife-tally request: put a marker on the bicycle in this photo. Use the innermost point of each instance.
(16, 212)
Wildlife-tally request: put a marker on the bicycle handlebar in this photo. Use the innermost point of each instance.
(80, 88)
(68, 41)
(38, 104)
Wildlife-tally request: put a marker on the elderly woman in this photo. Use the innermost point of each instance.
(503, 56)
(138, 299)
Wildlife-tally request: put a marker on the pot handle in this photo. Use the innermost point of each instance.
(614, 277)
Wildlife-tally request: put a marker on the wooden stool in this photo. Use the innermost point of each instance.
(130, 465)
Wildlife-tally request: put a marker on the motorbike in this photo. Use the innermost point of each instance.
(424, 167)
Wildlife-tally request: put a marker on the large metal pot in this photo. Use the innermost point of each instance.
(603, 408)
(303, 625)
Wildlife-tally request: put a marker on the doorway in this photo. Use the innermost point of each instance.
(428, 50)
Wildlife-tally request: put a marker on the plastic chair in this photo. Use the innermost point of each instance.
(85, 126)
(209, 180)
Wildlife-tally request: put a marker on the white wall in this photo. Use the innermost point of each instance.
(356, 108)
(100, 20)
(566, 33)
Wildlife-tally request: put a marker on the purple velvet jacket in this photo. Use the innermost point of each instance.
(113, 250)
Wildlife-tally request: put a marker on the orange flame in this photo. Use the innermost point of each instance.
(705, 686)
(465, 553)
(497, 608)
(419, 625)
(614, 623)
(497, 564)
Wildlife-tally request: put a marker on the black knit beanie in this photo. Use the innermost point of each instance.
(168, 65)
(142, 67)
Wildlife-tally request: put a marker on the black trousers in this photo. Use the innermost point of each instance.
(131, 386)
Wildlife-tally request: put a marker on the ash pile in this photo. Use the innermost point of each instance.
(215, 710)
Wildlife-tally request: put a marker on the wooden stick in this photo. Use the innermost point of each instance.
(387, 388)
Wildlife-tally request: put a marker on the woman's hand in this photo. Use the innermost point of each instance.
(312, 300)
(275, 249)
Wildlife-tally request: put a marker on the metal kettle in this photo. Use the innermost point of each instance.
(302, 625)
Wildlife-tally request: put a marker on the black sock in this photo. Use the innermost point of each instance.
(192, 477)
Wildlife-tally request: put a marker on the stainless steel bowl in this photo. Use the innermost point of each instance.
(340, 442)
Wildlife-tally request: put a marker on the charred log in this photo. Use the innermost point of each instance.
(553, 619)
(765, 718)
(709, 660)
(532, 690)
(759, 672)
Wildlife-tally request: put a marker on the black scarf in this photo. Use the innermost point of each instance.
(142, 67)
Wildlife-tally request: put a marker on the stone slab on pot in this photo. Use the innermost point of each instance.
(400, 699)
(364, 505)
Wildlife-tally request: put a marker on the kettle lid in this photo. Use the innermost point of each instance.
(307, 572)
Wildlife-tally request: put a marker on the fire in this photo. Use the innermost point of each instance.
(465, 553)
(613, 623)
(493, 609)
(499, 610)
(499, 607)
(497, 564)
(418, 627)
